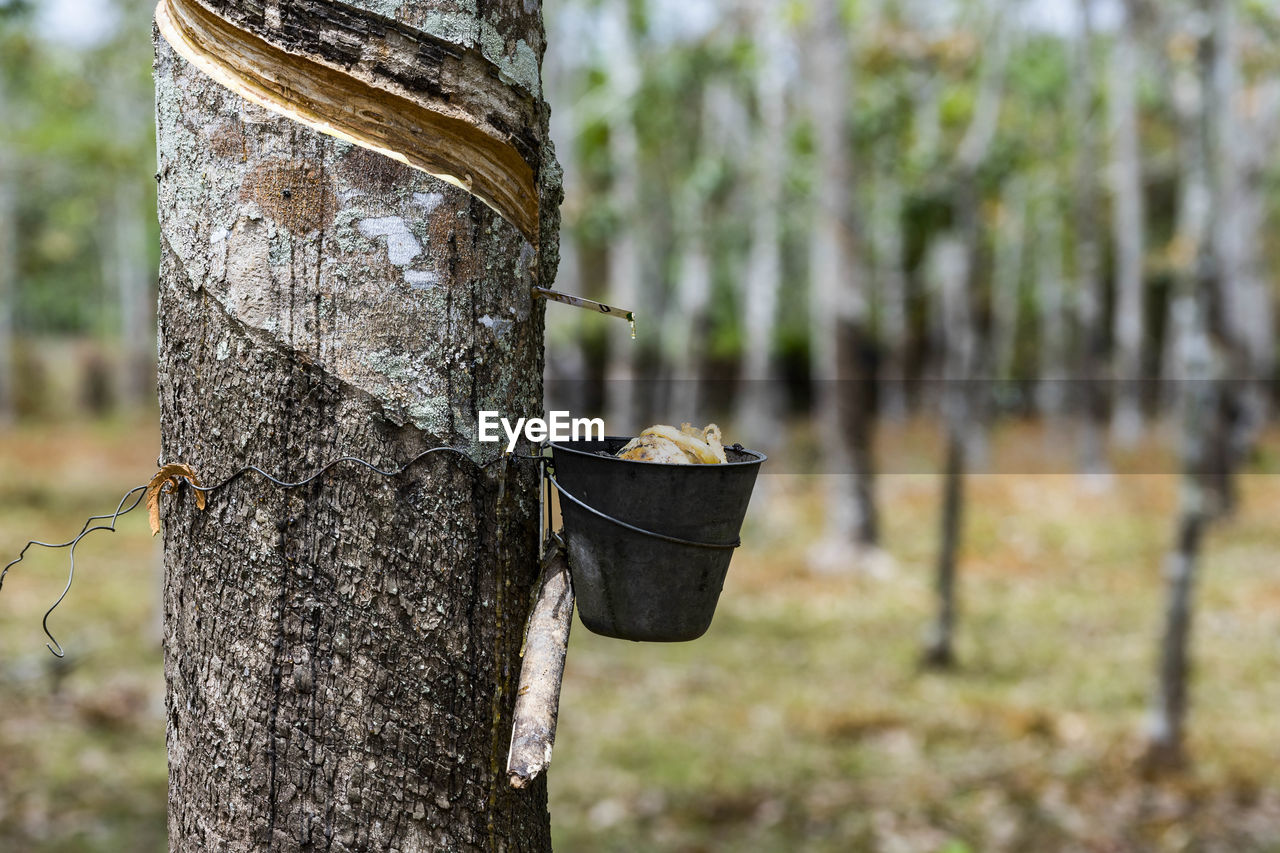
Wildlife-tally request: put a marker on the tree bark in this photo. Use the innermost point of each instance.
(341, 658)
(1127, 233)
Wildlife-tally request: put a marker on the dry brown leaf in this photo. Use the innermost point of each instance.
(166, 480)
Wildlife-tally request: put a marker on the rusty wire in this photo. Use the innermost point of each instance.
(133, 498)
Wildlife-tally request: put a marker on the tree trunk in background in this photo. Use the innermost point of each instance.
(625, 278)
(891, 285)
(949, 277)
(8, 286)
(838, 310)
(926, 119)
(1165, 723)
(1089, 385)
(567, 359)
(686, 329)
(1259, 136)
(1128, 222)
(1006, 279)
(1245, 339)
(686, 332)
(954, 268)
(128, 262)
(1206, 456)
(341, 658)
(759, 400)
(1051, 392)
(127, 258)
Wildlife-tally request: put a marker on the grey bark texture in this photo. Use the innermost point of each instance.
(341, 658)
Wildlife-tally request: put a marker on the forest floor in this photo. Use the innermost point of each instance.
(800, 722)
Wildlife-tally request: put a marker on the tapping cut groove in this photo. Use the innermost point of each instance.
(425, 131)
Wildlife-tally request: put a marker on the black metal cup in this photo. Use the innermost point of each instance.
(649, 543)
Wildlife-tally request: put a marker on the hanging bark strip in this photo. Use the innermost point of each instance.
(533, 733)
(457, 133)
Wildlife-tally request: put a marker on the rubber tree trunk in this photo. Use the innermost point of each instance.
(1051, 304)
(954, 267)
(685, 334)
(1243, 335)
(8, 286)
(128, 269)
(1089, 384)
(1166, 721)
(126, 258)
(567, 359)
(838, 301)
(891, 284)
(1203, 355)
(949, 276)
(1006, 279)
(1128, 221)
(341, 658)
(759, 402)
(1260, 134)
(686, 329)
(625, 279)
